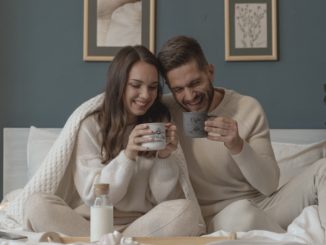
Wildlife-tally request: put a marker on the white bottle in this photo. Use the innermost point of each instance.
(101, 213)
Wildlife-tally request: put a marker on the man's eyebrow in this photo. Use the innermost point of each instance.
(187, 84)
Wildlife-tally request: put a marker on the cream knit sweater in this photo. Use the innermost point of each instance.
(135, 186)
(50, 175)
(219, 177)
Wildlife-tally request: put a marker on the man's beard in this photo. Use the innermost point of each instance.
(209, 95)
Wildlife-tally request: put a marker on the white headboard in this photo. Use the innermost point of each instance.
(298, 136)
(15, 157)
(15, 150)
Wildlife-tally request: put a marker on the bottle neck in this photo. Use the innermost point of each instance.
(102, 200)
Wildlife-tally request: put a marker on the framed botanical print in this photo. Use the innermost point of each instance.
(250, 30)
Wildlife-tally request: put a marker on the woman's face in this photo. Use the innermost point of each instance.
(141, 89)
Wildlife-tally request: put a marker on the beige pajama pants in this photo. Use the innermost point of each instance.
(276, 212)
(46, 212)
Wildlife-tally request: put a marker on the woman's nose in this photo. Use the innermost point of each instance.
(144, 93)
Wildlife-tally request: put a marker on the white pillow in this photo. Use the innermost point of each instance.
(294, 158)
(38, 145)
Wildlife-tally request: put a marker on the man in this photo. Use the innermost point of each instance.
(233, 170)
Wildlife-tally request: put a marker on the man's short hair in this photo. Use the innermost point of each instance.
(180, 50)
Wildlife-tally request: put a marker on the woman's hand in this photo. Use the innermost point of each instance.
(171, 141)
(136, 139)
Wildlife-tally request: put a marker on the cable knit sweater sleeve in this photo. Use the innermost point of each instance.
(256, 160)
(164, 178)
(90, 170)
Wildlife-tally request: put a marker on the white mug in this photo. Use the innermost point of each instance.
(158, 136)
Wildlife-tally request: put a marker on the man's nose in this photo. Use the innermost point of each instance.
(188, 94)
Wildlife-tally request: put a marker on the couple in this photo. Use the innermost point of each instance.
(233, 171)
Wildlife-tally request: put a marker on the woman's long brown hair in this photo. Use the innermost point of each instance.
(112, 115)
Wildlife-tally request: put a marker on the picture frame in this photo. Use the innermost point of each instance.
(98, 46)
(250, 30)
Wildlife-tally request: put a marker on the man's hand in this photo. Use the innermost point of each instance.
(225, 130)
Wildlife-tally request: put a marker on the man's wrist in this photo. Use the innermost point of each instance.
(237, 148)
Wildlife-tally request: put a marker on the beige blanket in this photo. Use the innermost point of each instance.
(52, 169)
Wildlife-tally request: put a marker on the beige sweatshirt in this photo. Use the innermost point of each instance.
(218, 177)
(135, 186)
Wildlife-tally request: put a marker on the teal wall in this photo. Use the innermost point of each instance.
(43, 77)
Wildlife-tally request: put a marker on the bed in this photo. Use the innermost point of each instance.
(295, 149)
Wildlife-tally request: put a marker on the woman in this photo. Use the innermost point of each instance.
(144, 185)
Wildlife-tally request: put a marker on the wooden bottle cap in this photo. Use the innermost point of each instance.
(101, 189)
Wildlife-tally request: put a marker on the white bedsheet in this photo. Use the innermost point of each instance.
(305, 229)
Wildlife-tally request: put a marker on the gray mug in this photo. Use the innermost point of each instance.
(194, 123)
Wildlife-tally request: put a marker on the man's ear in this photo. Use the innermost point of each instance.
(210, 72)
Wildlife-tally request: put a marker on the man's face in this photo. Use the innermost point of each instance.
(191, 87)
